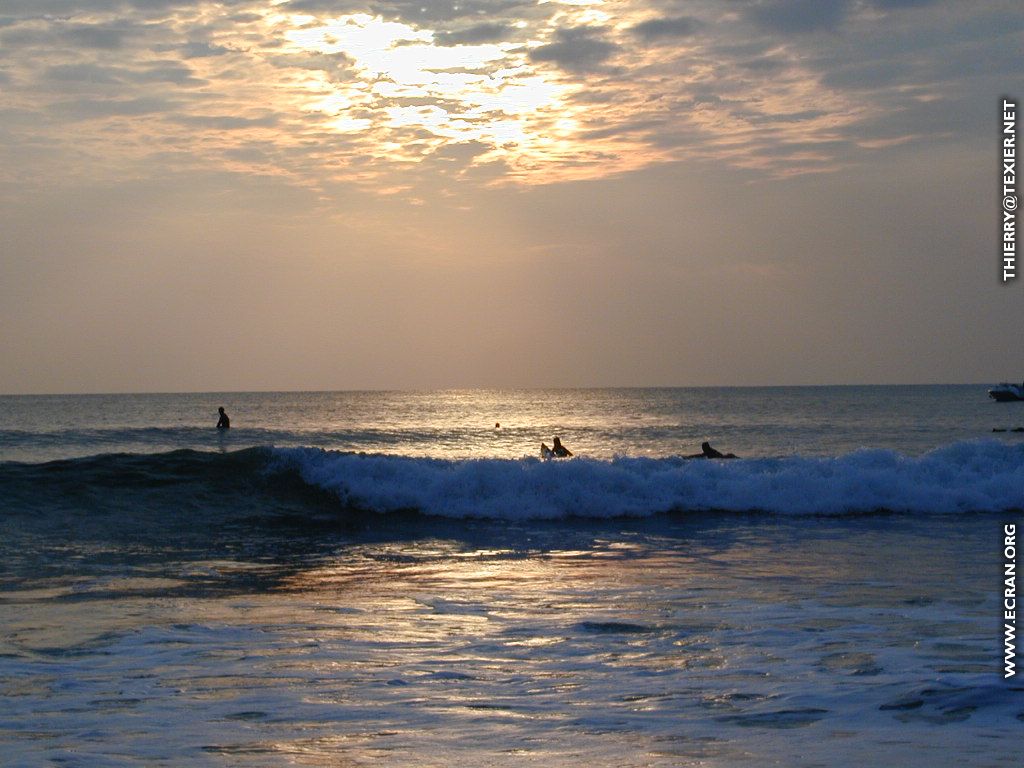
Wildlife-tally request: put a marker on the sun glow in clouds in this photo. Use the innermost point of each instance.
(404, 86)
(495, 93)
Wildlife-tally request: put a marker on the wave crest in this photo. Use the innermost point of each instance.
(965, 477)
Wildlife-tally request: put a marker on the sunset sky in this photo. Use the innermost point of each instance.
(324, 194)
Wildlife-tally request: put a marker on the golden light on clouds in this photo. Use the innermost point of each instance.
(294, 194)
(402, 83)
(393, 96)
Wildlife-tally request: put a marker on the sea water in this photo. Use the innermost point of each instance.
(394, 578)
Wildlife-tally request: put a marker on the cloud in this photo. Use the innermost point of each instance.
(480, 33)
(461, 152)
(798, 16)
(666, 28)
(164, 4)
(227, 122)
(577, 50)
(62, 32)
(86, 74)
(321, 7)
(412, 11)
(763, 64)
(511, 75)
(94, 36)
(58, 8)
(899, 4)
(196, 50)
(92, 109)
(864, 75)
(82, 73)
(336, 66)
(168, 72)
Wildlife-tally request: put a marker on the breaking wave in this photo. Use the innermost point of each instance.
(983, 476)
(965, 477)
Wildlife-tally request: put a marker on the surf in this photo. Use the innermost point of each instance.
(982, 476)
(977, 476)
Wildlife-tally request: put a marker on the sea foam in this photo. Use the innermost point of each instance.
(964, 477)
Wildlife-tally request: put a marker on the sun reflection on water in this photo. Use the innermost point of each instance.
(688, 642)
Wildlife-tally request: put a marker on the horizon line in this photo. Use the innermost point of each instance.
(411, 390)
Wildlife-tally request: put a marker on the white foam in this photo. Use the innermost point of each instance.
(964, 477)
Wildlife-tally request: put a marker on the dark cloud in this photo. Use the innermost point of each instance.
(193, 50)
(226, 122)
(451, 106)
(60, 8)
(598, 96)
(462, 152)
(70, 9)
(578, 49)
(166, 73)
(667, 28)
(242, 18)
(981, 59)
(337, 66)
(91, 109)
(480, 33)
(24, 38)
(865, 75)
(412, 11)
(798, 16)
(898, 4)
(783, 149)
(161, 5)
(624, 129)
(82, 74)
(915, 124)
(763, 64)
(94, 36)
(61, 34)
(336, 7)
(705, 100)
(790, 117)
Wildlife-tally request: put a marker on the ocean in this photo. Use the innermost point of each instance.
(397, 578)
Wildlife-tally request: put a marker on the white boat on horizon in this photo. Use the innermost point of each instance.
(1007, 393)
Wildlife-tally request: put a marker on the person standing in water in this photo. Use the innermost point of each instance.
(223, 422)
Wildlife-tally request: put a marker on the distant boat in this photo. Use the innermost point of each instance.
(1007, 393)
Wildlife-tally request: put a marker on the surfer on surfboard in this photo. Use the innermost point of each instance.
(223, 422)
(707, 452)
(557, 451)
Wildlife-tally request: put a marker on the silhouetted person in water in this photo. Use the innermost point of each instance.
(707, 452)
(559, 451)
(223, 422)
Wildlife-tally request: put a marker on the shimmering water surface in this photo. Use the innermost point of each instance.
(230, 603)
(751, 421)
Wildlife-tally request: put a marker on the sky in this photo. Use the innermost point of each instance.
(411, 194)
